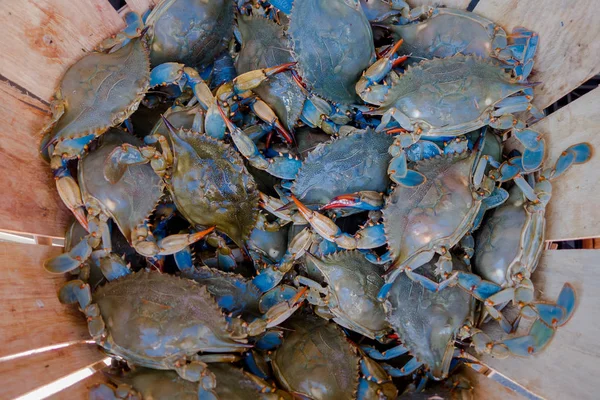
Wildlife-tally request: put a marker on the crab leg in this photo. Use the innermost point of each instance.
(270, 276)
(276, 314)
(411, 366)
(318, 113)
(369, 237)
(174, 73)
(281, 167)
(241, 87)
(368, 87)
(541, 332)
(523, 47)
(388, 354)
(225, 259)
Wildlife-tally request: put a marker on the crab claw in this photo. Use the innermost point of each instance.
(265, 113)
(282, 311)
(175, 243)
(75, 291)
(252, 79)
(367, 201)
(320, 223)
(70, 194)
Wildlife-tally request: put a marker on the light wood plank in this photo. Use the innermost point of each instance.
(569, 50)
(485, 388)
(462, 4)
(25, 374)
(32, 316)
(141, 6)
(80, 390)
(568, 367)
(574, 210)
(30, 203)
(44, 37)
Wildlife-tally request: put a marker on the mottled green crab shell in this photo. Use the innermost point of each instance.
(101, 90)
(211, 186)
(130, 200)
(511, 237)
(351, 163)
(192, 32)
(353, 282)
(428, 322)
(448, 32)
(420, 221)
(155, 319)
(450, 96)
(303, 363)
(333, 44)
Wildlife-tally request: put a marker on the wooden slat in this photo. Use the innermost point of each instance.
(25, 374)
(80, 390)
(32, 316)
(569, 50)
(30, 203)
(462, 4)
(568, 368)
(485, 388)
(44, 37)
(140, 6)
(574, 210)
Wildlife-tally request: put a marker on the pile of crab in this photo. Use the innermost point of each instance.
(303, 199)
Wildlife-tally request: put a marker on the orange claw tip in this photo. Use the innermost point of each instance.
(343, 200)
(399, 60)
(279, 68)
(396, 46)
(299, 296)
(228, 122)
(169, 126)
(201, 234)
(286, 135)
(81, 218)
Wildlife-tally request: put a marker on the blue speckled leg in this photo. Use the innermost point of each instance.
(388, 354)
(408, 368)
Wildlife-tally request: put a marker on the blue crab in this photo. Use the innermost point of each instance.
(162, 321)
(350, 297)
(331, 56)
(510, 242)
(448, 97)
(99, 91)
(356, 160)
(218, 381)
(420, 222)
(444, 32)
(192, 32)
(302, 364)
(264, 45)
(429, 322)
(129, 202)
(207, 179)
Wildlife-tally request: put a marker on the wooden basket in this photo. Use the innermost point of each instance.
(44, 341)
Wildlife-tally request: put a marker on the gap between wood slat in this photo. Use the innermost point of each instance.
(21, 376)
(81, 389)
